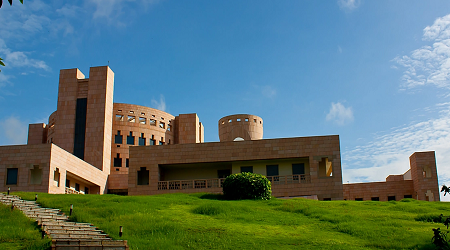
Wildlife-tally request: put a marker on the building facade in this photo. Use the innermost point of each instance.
(92, 145)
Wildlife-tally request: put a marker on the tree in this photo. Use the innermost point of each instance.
(10, 2)
(445, 189)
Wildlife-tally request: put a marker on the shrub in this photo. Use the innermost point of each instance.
(247, 186)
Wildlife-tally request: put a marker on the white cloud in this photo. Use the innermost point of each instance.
(349, 5)
(268, 91)
(389, 153)
(161, 105)
(339, 49)
(14, 131)
(430, 64)
(339, 114)
(111, 10)
(20, 59)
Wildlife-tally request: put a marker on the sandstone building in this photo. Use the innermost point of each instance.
(92, 145)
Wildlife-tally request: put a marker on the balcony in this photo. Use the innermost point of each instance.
(217, 183)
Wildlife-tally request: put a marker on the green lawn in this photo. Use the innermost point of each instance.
(19, 232)
(202, 221)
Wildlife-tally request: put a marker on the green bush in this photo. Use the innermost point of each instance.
(247, 186)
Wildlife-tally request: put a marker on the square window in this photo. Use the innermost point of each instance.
(375, 198)
(131, 118)
(153, 122)
(246, 119)
(391, 198)
(142, 120)
(131, 112)
(77, 187)
(11, 176)
(162, 125)
(272, 170)
(247, 169)
(142, 113)
(230, 120)
(238, 119)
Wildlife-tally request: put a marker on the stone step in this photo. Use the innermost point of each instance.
(67, 223)
(77, 236)
(71, 228)
(74, 231)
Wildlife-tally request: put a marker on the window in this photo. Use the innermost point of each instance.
(325, 168)
(238, 119)
(131, 112)
(153, 122)
(11, 176)
(327, 199)
(77, 187)
(86, 190)
(169, 127)
(298, 168)
(407, 196)
(143, 176)
(152, 142)
(130, 139)
(118, 138)
(247, 169)
(142, 120)
(426, 172)
(56, 177)
(358, 199)
(67, 183)
(119, 118)
(142, 140)
(272, 170)
(375, 198)
(254, 120)
(131, 118)
(161, 143)
(391, 198)
(142, 113)
(118, 161)
(230, 120)
(127, 163)
(223, 173)
(35, 175)
(162, 125)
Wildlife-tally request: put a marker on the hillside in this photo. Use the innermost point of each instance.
(202, 221)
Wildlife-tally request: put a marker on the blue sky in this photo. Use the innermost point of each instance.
(375, 72)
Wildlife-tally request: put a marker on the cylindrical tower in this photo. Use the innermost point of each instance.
(240, 127)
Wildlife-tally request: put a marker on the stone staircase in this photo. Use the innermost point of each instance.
(65, 235)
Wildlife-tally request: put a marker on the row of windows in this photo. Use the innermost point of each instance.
(272, 170)
(142, 141)
(239, 119)
(143, 120)
(77, 187)
(390, 198)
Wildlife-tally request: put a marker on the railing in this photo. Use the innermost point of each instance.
(217, 183)
(190, 184)
(289, 179)
(72, 191)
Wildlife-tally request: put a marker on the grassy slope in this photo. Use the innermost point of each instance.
(198, 221)
(19, 232)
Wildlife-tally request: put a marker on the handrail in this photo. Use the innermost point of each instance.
(217, 183)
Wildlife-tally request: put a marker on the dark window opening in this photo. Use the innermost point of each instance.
(80, 128)
(77, 187)
(327, 199)
(68, 183)
(118, 161)
(127, 163)
(143, 176)
(272, 170)
(247, 169)
(130, 139)
(223, 173)
(358, 199)
(142, 140)
(375, 198)
(391, 198)
(407, 196)
(86, 190)
(298, 168)
(118, 138)
(11, 176)
(152, 142)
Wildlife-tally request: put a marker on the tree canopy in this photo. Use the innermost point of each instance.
(10, 2)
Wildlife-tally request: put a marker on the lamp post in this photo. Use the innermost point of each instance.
(71, 209)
